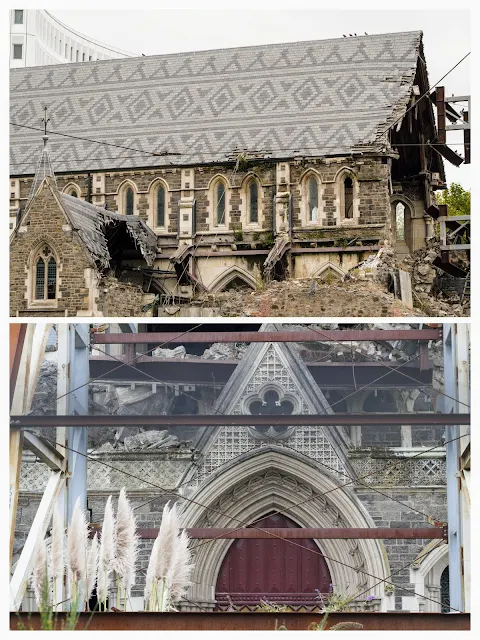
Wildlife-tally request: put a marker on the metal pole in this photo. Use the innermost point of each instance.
(78, 338)
(453, 470)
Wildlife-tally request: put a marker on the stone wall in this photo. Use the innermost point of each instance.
(388, 513)
(47, 224)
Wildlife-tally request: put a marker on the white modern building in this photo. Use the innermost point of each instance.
(37, 38)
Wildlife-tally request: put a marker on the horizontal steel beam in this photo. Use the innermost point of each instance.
(294, 533)
(135, 621)
(219, 420)
(267, 336)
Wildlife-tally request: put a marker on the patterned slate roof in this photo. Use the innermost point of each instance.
(91, 223)
(317, 98)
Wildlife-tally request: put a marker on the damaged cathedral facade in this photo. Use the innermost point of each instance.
(191, 173)
(293, 476)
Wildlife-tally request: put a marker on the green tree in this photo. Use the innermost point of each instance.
(457, 198)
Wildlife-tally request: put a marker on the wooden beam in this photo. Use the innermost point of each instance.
(37, 533)
(15, 446)
(44, 450)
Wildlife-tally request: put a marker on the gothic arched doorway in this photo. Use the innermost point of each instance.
(273, 570)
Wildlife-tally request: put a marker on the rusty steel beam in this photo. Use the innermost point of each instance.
(235, 621)
(267, 336)
(220, 420)
(17, 340)
(374, 533)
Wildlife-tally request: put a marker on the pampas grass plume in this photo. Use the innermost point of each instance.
(39, 576)
(77, 544)
(92, 567)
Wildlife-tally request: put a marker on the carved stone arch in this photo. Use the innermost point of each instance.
(329, 266)
(253, 485)
(36, 245)
(245, 202)
(218, 204)
(308, 215)
(347, 202)
(402, 227)
(230, 274)
(121, 194)
(43, 247)
(152, 203)
(72, 186)
(426, 573)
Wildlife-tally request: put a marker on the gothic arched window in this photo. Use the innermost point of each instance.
(312, 200)
(220, 196)
(348, 198)
(160, 202)
(129, 200)
(45, 276)
(253, 202)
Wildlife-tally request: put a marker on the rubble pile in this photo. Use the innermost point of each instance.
(309, 298)
(396, 351)
(425, 278)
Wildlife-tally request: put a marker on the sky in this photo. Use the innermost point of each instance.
(169, 30)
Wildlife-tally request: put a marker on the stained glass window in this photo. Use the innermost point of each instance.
(445, 590)
(160, 207)
(129, 202)
(253, 192)
(40, 279)
(52, 279)
(312, 200)
(220, 203)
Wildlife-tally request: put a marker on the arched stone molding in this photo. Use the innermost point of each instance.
(304, 198)
(329, 265)
(72, 186)
(121, 193)
(425, 576)
(409, 214)
(267, 479)
(152, 204)
(339, 180)
(224, 279)
(245, 202)
(212, 201)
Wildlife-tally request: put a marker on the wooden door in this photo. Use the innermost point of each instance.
(273, 570)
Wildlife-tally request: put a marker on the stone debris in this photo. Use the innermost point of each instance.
(225, 351)
(177, 352)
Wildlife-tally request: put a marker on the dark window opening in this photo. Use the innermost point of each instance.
(46, 276)
(160, 207)
(129, 202)
(312, 200)
(17, 51)
(51, 279)
(253, 189)
(348, 197)
(40, 279)
(18, 16)
(220, 203)
(445, 590)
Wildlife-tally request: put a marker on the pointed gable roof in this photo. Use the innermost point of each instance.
(102, 232)
(318, 98)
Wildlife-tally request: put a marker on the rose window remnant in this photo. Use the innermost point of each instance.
(270, 402)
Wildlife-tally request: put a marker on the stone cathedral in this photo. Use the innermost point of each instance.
(295, 476)
(244, 165)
